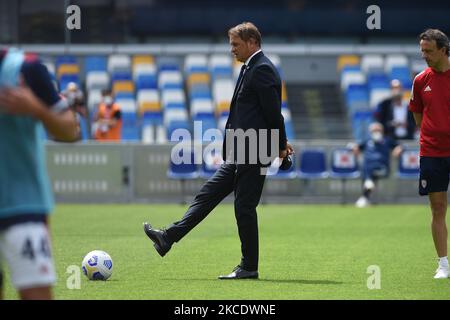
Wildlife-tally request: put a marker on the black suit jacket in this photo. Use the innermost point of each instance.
(385, 115)
(256, 104)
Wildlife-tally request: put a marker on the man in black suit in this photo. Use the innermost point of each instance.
(393, 114)
(256, 104)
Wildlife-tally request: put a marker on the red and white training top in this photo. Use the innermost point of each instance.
(431, 96)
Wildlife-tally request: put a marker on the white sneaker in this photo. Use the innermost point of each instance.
(362, 202)
(369, 184)
(441, 273)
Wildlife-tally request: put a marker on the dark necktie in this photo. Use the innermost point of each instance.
(239, 81)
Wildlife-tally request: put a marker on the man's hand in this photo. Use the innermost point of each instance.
(20, 101)
(288, 151)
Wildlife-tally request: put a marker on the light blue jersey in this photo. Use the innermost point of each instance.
(24, 183)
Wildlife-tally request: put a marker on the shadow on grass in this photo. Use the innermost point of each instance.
(280, 281)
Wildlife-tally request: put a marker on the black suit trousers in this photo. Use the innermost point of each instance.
(246, 181)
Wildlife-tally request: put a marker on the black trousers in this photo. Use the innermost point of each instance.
(247, 183)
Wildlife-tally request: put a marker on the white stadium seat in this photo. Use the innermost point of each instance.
(97, 80)
(119, 62)
(371, 63)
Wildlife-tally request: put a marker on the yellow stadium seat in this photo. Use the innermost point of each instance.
(68, 69)
(198, 78)
(347, 60)
(407, 95)
(223, 106)
(148, 106)
(283, 92)
(124, 86)
(143, 59)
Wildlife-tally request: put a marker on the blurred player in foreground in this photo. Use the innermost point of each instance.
(28, 103)
(430, 104)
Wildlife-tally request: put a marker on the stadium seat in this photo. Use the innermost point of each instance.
(275, 173)
(123, 95)
(95, 63)
(94, 98)
(121, 76)
(372, 63)
(201, 106)
(146, 81)
(408, 164)
(97, 80)
(142, 59)
(168, 64)
(202, 123)
(377, 81)
(344, 166)
(170, 79)
(312, 164)
(347, 60)
(357, 98)
(148, 100)
(196, 63)
(67, 69)
(66, 59)
(403, 74)
(395, 61)
(173, 98)
(360, 122)
(352, 77)
(182, 171)
(148, 134)
(147, 69)
(173, 126)
(122, 85)
(220, 66)
(119, 62)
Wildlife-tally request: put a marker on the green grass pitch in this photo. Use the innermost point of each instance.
(306, 252)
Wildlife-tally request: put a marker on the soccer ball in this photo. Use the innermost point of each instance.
(97, 265)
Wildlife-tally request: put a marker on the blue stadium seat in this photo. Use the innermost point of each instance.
(131, 133)
(403, 74)
(182, 172)
(378, 81)
(83, 128)
(120, 76)
(154, 118)
(360, 122)
(312, 164)
(123, 95)
(95, 63)
(146, 81)
(357, 98)
(408, 164)
(222, 72)
(207, 122)
(344, 166)
(177, 124)
(66, 59)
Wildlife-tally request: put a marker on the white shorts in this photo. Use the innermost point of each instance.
(26, 248)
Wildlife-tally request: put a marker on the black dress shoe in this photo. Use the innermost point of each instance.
(239, 273)
(158, 237)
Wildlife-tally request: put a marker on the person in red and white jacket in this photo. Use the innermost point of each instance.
(430, 104)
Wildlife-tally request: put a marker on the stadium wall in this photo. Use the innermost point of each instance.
(134, 172)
